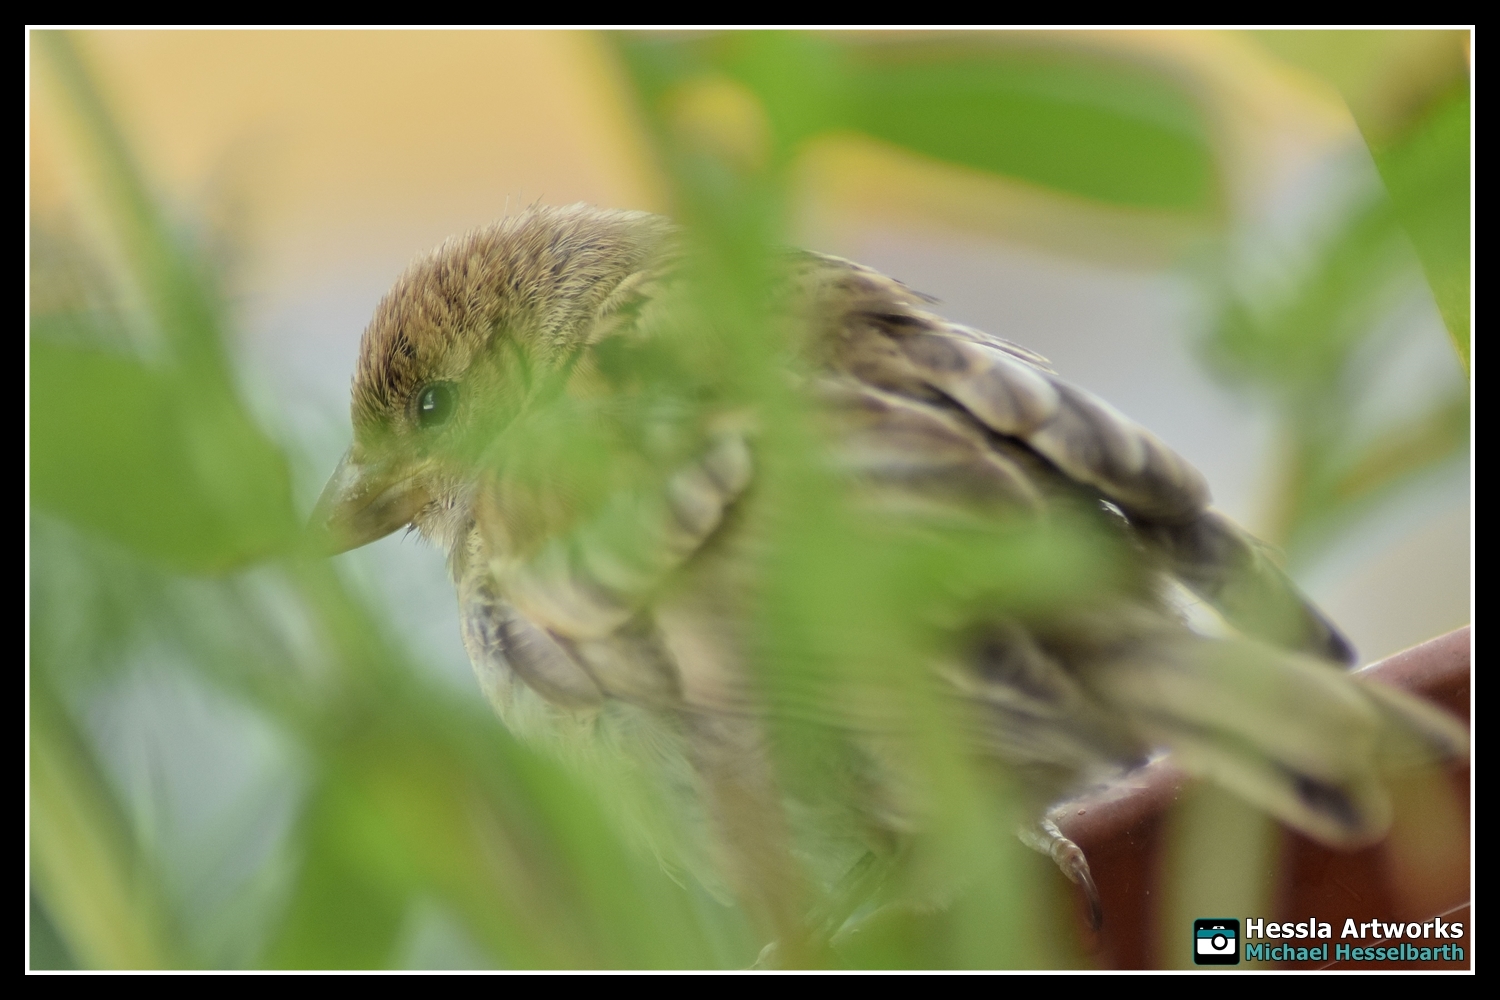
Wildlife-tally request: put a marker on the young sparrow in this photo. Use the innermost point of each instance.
(533, 397)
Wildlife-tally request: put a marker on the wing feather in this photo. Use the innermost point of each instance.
(880, 334)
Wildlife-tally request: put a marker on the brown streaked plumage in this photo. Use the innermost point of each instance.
(612, 627)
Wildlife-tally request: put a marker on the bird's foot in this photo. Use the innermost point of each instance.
(1044, 836)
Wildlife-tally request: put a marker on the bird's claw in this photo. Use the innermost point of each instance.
(1048, 839)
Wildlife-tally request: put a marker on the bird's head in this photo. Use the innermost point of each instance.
(466, 338)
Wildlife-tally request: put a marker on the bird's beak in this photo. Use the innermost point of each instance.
(363, 501)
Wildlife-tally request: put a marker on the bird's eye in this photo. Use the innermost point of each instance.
(436, 403)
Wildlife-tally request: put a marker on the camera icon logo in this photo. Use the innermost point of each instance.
(1216, 941)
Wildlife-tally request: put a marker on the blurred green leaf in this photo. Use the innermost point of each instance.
(1110, 131)
(99, 890)
(47, 948)
(1298, 341)
(1314, 347)
(1312, 339)
(433, 800)
(130, 452)
(1409, 93)
(1426, 171)
(1102, 128)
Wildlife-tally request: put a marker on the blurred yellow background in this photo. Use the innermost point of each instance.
(333, 139)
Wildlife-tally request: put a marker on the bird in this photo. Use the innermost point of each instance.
(552, 402)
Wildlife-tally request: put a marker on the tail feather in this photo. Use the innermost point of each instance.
(1421, 732)
(1296, 736)
(1235, 573)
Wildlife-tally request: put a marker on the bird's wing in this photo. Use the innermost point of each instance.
(941, 407)
(905, 366)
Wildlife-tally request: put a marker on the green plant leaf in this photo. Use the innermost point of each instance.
(1426, 172)
(1409, 94)
(130, 452)
(100, 892)
(1112, 132)
(1101, 128)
